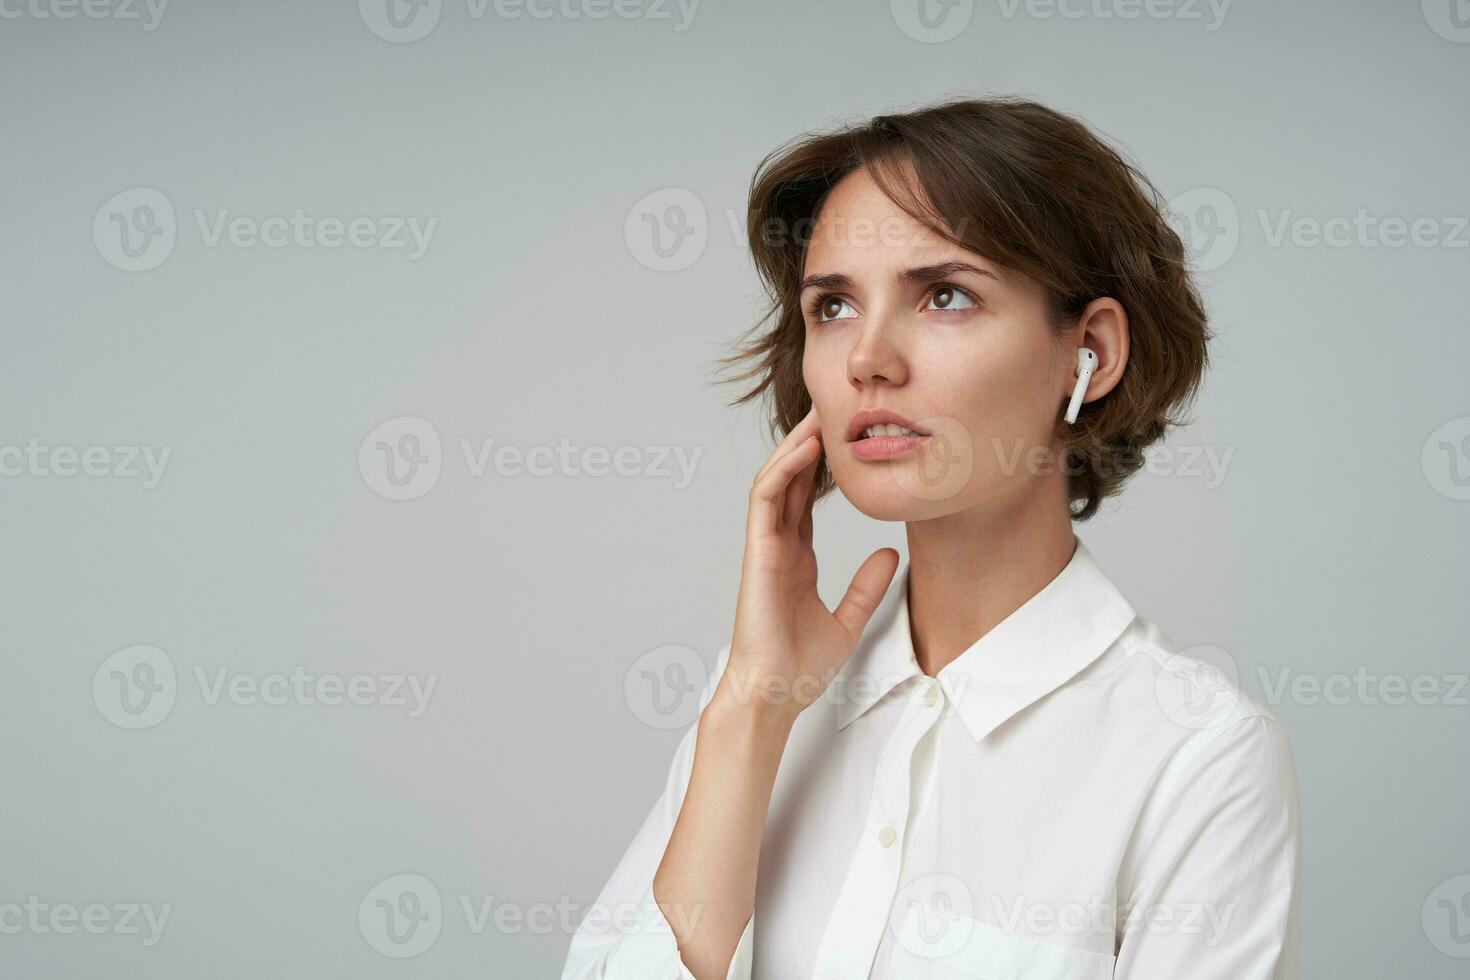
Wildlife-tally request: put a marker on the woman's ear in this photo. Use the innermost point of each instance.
(1102, 327)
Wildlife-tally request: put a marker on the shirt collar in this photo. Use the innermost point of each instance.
(1033, 651)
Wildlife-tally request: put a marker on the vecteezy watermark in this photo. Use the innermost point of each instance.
(936, 21)
(1446, 917)
(1445, 458)
(412, 691)
(403, 915)
(1207, 219)
(137, 687)
(34, 459)
(400, 21)
(943, 465)
(1198, 686)
(147, 12)
(932, 21)
(562, 916)
(405, 21)
(38, 918)
(1365, 687)
(945, 461)
(663, 687)
(1209, 13)
(1208, 464)
(667, 230)
(1106, 918)
(1363, 230)
(137, 229)
(565, 459)
(1450, 19)
(1208, 222)
(934, 917)
(403, 458)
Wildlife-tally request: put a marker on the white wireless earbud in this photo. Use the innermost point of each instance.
(1086, 364)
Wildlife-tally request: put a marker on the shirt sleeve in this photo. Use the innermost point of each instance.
(1213, 893)
(625, 935)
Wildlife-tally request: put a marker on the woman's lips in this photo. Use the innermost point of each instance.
(876, 448)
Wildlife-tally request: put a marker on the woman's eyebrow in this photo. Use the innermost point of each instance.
(827, 280)
(924, 273)
(920, 273)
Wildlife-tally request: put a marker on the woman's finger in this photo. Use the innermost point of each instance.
(868, 587)
(799, 495)
(767, 497)
(804, 529)
(810, 425)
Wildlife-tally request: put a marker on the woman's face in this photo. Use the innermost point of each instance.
(899, 319)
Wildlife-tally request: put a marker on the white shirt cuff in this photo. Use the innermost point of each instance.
(648, 950)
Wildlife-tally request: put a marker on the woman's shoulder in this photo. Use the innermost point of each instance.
(1169, 693)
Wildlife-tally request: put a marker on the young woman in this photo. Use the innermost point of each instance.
(985, 763)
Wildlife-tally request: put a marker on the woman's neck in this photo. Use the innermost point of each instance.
(970, 570)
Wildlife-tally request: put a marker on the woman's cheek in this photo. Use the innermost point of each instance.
(817, 377)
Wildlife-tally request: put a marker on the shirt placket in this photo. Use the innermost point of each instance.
(861, 912)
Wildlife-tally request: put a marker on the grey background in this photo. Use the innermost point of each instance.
(1333, 545)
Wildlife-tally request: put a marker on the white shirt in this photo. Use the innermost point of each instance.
(1070, 799)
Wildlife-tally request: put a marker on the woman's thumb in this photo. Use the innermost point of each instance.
(868, 587)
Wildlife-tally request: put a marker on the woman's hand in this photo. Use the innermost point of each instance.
(787, 646)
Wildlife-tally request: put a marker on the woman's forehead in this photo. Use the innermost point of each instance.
(891, 259)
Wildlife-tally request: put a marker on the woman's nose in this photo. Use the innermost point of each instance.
(875, 359)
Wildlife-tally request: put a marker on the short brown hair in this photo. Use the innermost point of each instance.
(1032, 189)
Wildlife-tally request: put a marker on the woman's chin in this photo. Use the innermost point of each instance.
(886, 496)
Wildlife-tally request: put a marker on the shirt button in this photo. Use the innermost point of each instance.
(931, 695)
(886, 836)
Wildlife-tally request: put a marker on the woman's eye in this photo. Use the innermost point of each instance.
(831, 307)
(950, 298)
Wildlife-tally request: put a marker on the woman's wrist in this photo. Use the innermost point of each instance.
(751, 709)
